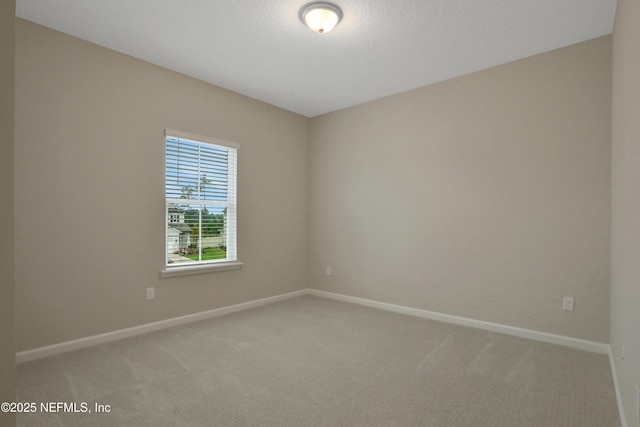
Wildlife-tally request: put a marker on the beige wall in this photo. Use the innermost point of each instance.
(89, 187)
(7, 335)
(625, 245)
(485, 196)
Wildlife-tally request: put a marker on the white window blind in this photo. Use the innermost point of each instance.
(201, 187)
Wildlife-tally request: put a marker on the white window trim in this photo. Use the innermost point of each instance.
(191, 269)
(201, 138)
(200, 269)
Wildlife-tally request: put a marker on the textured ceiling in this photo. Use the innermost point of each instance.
(261, 49)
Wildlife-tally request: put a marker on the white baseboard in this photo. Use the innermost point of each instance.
(616, 385)
(591, 346)
(37, 353)
(50, 350)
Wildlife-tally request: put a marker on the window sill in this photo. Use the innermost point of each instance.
(200, 269)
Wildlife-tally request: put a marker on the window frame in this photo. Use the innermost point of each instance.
(198, 267)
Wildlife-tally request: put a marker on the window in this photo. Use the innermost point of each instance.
(200, 200)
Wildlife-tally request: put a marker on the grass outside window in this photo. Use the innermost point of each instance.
(208, 254)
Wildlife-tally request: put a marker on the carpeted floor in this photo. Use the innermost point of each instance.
(316, 362)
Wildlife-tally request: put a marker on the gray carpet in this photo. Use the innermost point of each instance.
(316, 362)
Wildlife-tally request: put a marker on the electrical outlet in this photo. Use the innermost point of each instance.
(624, 352)
(328, 271)
(151, 293)
(567, 303)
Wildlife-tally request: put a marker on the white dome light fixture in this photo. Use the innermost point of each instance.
(320, 17)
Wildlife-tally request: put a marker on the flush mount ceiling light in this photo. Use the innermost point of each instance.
(320, 17)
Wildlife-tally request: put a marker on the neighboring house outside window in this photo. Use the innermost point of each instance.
(201, 182)
(176, 214)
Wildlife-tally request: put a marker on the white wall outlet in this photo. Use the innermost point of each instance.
(151, 293)
(328, 271)
(567, 303)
